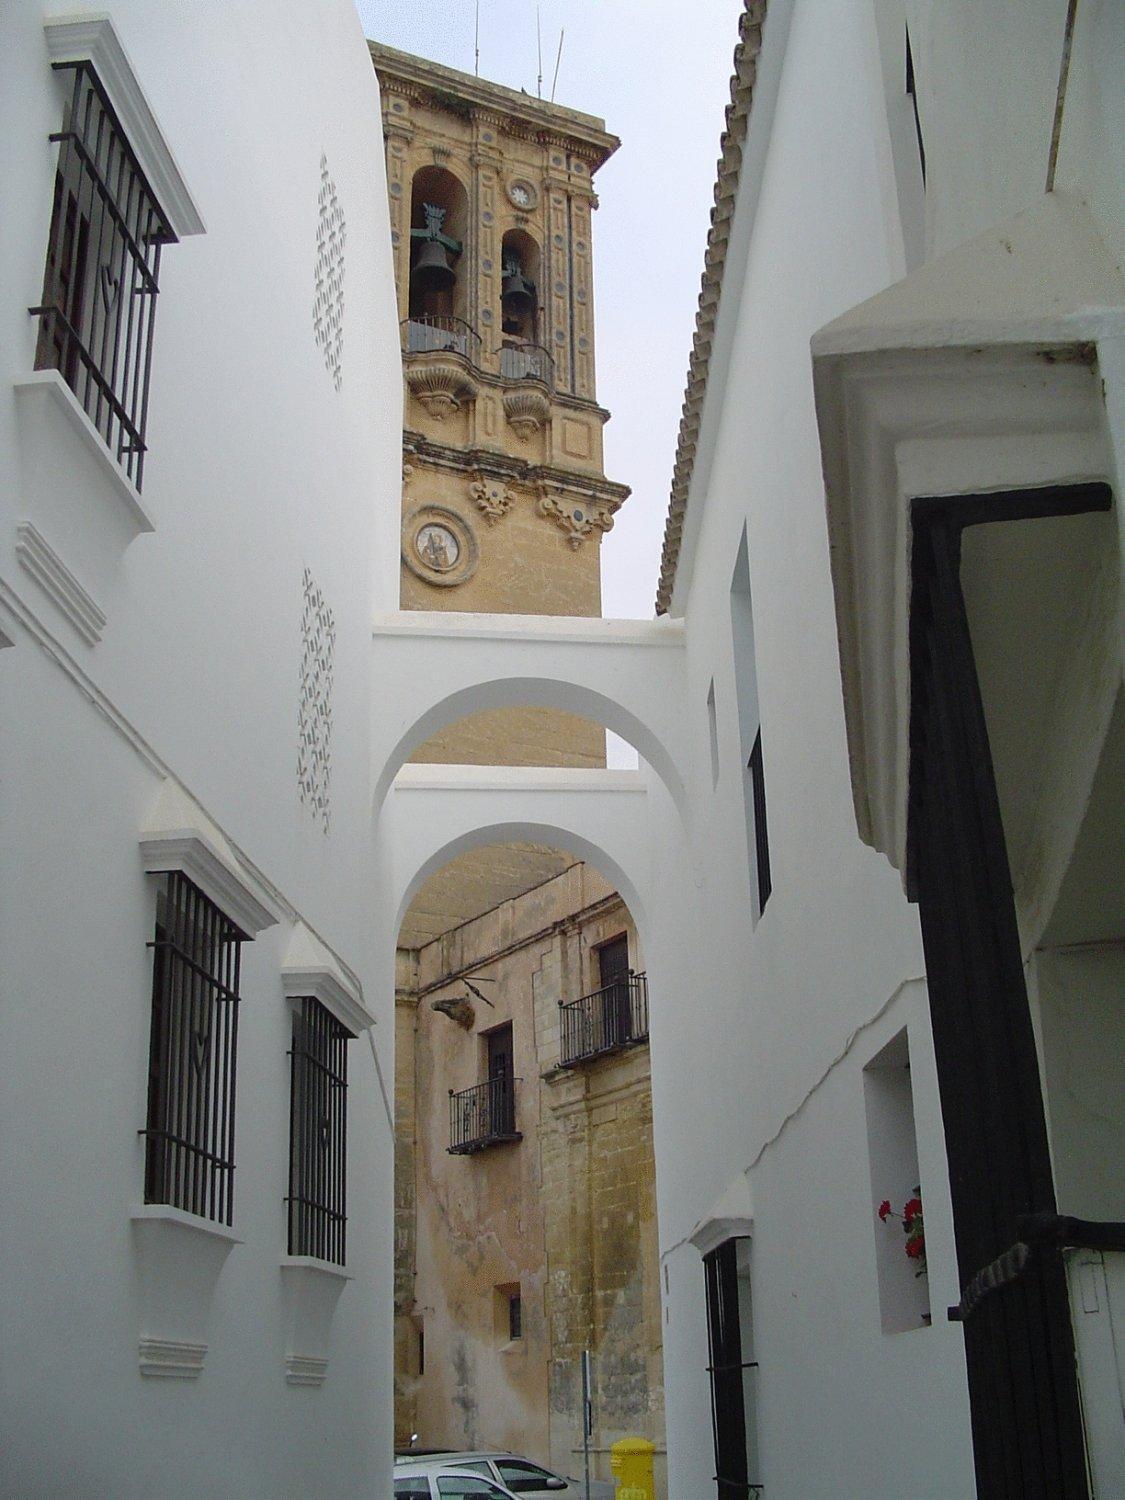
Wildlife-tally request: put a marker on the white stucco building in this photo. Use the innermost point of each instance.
(193, 686)
(185, 688)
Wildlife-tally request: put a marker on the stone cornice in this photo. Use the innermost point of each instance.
(583, 134)
(488, 461)
(726, 191)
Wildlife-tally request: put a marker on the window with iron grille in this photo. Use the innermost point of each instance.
(318, 1130)
(189, 1154)
(732, 1372)
(103, 260)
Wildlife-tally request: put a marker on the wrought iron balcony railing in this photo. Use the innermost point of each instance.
(484, 1115)
(607, 1020)
(527, 362)
(431, 333)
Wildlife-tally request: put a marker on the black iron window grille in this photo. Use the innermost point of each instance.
(189, 1136)
(103, 261)
(613, 1017)
(484, 1115)
(318, 1133)
(732, 1395)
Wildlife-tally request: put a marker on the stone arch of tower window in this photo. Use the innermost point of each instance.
(439, 206)
(520, 317)
(537, 692)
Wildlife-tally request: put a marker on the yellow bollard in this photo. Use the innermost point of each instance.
(631, 1465)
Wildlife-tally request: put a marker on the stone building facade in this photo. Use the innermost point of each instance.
(550, 1235)
(562, 1218)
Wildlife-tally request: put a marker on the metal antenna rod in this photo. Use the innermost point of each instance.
(539, 52)
(476, 42)
(558, 60)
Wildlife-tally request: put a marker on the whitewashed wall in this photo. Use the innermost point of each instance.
(258, 469)
(794, 1008)
(758, 1074)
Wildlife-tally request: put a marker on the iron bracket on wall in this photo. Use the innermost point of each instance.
(1039, 1234)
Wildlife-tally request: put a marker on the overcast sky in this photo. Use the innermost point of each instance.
(657, 72)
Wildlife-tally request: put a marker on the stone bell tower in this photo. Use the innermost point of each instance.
(504, 498)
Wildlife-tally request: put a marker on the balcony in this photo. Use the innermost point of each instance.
(482, 1116)
(431, 333)
(606, 1021)
(520, 361)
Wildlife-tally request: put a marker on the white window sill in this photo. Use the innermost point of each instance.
(314, 1264)
(44, 396)
(165, 1213)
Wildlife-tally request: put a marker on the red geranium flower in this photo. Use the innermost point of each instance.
(912, 1209)
(916, 1248)
(885, 1209)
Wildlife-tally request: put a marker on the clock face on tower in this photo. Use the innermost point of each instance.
(522, 194)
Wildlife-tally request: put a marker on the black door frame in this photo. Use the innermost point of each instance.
(1019, 1347)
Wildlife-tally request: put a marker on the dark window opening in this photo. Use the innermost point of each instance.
(912, 90)
(515, 1316)
(189, 1135)
(732, 1394)
(501, 1071)
(318, 1127)
(761, 833)
(100, 282)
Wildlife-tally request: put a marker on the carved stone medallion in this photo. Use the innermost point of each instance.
(438, 546)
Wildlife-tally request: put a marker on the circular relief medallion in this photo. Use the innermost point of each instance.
(522, 194)
(439, 546)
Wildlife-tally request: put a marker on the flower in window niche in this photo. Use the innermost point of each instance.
(912, 1227)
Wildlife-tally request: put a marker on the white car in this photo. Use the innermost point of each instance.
(425, 1482)
(508, 1472)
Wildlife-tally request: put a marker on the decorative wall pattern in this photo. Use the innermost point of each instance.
(314, 717)
(328, 305)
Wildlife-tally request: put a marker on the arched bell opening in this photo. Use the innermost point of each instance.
(519, 289)
(438, 226)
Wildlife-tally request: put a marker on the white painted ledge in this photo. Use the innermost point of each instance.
(92, 38)
(179, 1258)
(44, 395)
(311, 1289)
(40, 560)
(180, 836)
(417, 777)
(548, 629)
(310, 968)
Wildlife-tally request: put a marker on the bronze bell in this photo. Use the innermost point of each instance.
(517, 297)
(432, 271)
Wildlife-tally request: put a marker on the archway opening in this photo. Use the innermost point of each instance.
(523, 1141)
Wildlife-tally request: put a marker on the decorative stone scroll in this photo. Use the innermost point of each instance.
(527, 410)
(493, 499)
(577, 520)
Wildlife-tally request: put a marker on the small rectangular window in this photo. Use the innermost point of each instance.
(515, 1317)
(318, 1128)
(761, 833)
(103, 261)
(189, 1135)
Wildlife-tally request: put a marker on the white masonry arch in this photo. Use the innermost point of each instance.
(542, 833)
(435, 675)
